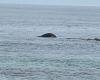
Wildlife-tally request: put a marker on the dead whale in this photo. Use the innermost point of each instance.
(48, 35)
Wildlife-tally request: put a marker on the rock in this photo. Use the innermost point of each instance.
(48, 35)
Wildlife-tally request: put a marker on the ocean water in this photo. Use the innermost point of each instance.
(24, 56)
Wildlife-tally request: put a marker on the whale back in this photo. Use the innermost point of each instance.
(48, 35)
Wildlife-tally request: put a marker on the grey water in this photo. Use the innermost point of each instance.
(24, 56)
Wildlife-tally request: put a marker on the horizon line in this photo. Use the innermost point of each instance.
(47, 4)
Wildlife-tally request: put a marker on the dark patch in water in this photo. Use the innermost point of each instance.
(48, 35)
(88, 39)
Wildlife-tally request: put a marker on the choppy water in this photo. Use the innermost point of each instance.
(24, 56)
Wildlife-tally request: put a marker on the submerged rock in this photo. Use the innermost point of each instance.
(48, 35)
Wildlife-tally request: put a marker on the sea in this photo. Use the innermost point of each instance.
(73, 55)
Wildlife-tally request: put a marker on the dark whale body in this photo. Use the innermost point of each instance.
(48, 35)
(97, 39)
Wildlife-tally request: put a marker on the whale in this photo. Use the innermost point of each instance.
(48, 35)
(97, 39)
